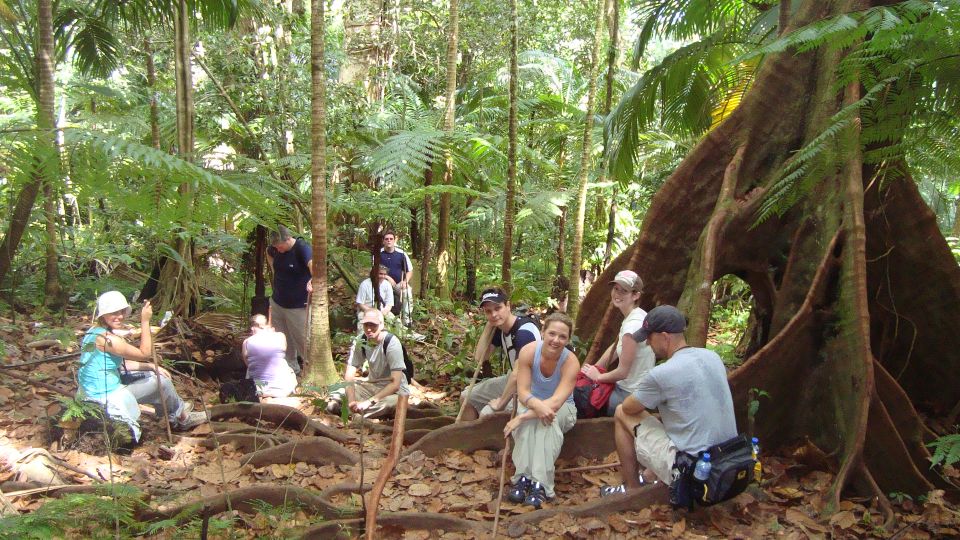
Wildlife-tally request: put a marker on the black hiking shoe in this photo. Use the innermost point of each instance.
(536, 496)
(519, 489)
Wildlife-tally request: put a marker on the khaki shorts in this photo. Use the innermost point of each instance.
(654, 448)
(485, 391)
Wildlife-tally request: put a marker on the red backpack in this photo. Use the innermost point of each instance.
(590, 397)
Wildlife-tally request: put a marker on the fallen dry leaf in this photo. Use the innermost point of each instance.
(799, 518)
(844, 519)
(210, 472)
(420, 490)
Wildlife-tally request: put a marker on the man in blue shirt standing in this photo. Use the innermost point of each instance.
(292, 262)
(400, 272)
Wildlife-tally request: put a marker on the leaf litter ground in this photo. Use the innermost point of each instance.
(789, 504)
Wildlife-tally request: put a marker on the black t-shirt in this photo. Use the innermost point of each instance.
(291, 274)
(526, 334)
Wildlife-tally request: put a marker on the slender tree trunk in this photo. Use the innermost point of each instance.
(320, 369)
(449, 117)
(20, 216)
(613, 24)
(152, 88)
(177, 286)
(425, 236)
(49, 168)
(510, 210)
(576, 256)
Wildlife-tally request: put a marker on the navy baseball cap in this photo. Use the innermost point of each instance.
(661, 319)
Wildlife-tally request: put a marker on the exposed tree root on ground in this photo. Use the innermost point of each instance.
(428, 423)
(515, 525)
(247, 442)
(313, 450)
(589, 438)
(244, 499)
(279, 415)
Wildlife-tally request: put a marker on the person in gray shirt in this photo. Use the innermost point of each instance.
(377, 396)
(691, 392)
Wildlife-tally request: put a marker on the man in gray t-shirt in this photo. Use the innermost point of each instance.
(377, 396)
(691, 392)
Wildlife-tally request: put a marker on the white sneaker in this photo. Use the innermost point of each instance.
(192, 420)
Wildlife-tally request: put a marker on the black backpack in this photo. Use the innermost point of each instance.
(407, 363)
(731, 472)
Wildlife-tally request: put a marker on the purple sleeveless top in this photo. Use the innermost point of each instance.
(265, 356)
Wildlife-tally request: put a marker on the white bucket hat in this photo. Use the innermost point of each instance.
(110, 302)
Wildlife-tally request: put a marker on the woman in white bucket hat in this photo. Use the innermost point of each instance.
(119, 376)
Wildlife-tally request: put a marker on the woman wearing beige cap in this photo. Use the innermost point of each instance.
(635, 359)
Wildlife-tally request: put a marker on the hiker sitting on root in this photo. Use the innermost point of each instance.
(692, 394)
(377, 396)
(509, 333)
(264, 354)
(546, 374)
(119, 376)
(635, 359)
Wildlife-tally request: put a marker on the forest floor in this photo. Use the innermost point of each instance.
(788, 504)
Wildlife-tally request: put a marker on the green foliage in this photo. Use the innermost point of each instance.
(946, 451)
(93, 515)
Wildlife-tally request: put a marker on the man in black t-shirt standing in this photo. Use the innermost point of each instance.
(292, 262)
(400, 272)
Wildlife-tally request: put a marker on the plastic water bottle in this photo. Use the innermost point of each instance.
(167, 315)
(702, 471)
(757, 467)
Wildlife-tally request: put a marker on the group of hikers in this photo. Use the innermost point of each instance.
(682, 406)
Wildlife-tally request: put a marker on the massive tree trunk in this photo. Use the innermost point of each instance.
(47, 156)
(510, 210)
(576, 253)
(177, 287)
(320, 369)
(449, 117)
(849, 338)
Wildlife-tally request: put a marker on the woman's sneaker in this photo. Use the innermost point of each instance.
(612, 490)
(518, 491)
(536, 496)
(192, 420)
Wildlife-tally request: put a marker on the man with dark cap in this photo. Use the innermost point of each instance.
(691, 392)
(292, 262)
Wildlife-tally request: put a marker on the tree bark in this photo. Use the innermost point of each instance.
(576, 255)
(49, 167)
(848, 339)
(177, 287)
(510, 210)
(425, 236)
(449, 118)
(22, 209)
(613, 26)
(319, 369)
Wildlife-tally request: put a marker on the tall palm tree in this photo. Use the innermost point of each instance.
(449, 118)
(511, 210)
(320, 369)
(576, 255)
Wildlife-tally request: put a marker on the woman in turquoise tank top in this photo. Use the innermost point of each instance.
(546, 374)
(115, 374)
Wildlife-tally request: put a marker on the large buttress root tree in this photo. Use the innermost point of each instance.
(855, 289)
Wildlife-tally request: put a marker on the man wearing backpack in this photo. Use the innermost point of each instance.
(292, 262)
(377, 396)
(691, 392)
(511, 334)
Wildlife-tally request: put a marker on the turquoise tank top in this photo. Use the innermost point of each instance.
(99, 370)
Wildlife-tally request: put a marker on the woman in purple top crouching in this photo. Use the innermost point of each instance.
(264, 354)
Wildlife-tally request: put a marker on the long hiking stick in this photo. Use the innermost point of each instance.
(479, 354)
(503, 473)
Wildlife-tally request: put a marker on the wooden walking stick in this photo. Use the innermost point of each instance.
(503, 473)
(479, 354)
(163, 399)
(396, 444)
